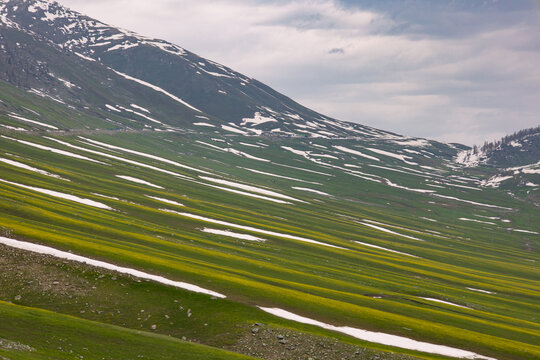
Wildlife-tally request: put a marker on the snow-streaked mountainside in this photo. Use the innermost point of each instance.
(516, 159)
(152, 201)
(209, 94)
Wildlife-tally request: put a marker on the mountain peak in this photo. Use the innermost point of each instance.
(210, 93)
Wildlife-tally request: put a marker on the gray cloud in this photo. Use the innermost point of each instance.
(457, 71)
(336, 51)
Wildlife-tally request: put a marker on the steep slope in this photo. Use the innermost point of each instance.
(198, 227)
(515, 159)
(215, 94)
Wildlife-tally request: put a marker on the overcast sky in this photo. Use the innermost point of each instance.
(452, 70)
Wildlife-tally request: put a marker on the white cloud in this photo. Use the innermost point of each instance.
(457, 88)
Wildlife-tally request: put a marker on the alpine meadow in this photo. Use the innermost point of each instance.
(155, 204)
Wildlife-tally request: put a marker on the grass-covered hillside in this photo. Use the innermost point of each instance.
(197, 214)
(381, 241)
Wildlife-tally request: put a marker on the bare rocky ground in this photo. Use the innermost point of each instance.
(271, 343)
(80, 290)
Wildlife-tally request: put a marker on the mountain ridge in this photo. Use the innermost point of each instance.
(227, 99)
(325, 239)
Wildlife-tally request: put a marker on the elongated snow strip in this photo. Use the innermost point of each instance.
(249, 228)
(482, 291)
(138, 181)
(40, 249)
(167, 201)
(249, 188)
(118, 158)
(232, 234)
(18, 117)
(389, 231)
(356, 152)
(444, 302)
(310, 190)
(471, 202)
(245, 193)
(30, 168)
(380, 338)
(383, 248)
(53, 150)
(158, 89)
(61, 195)
(150, 156)
(280, 176)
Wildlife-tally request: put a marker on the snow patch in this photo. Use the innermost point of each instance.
(477, 221)
(233, 234)
(233, 129)
(158, 89)
(482, 291)
(61, 195)
(310, 190)
(444, 302)
(53, 150)
(150, 156)
(18, 117)
(249, 188)
(101, 264)
(415, 142)
(378, 337)
(281, 176)
(138, 181)
(383, 248)
(356, 152)
(389, 231)
(252, 229)
(167, 201)
(257, 119)
(494, 181)
(203, 124)
(30, 168)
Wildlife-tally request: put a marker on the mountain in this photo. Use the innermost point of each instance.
(150, 208)
(201, 90)
(515, 158)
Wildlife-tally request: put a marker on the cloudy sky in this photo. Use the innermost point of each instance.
(452, 70)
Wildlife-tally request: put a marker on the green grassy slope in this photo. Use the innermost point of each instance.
(358, 286)
(49, 335)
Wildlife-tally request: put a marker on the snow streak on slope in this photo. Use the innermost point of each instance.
(356, 152)
(40, 249)
(250, 228)
(232, 234)
(139, 181)
(389, 231)
(158, 89)
(380, 338)
(61, 195)
(250, 188)
(383, 248)
(30, 168)
(118, 158)
(18, 117)
(150, 156)
(167, 201)
(53, 150)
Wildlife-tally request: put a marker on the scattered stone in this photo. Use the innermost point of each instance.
(276, 343)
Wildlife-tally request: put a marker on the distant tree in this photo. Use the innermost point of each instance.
(489, 147)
